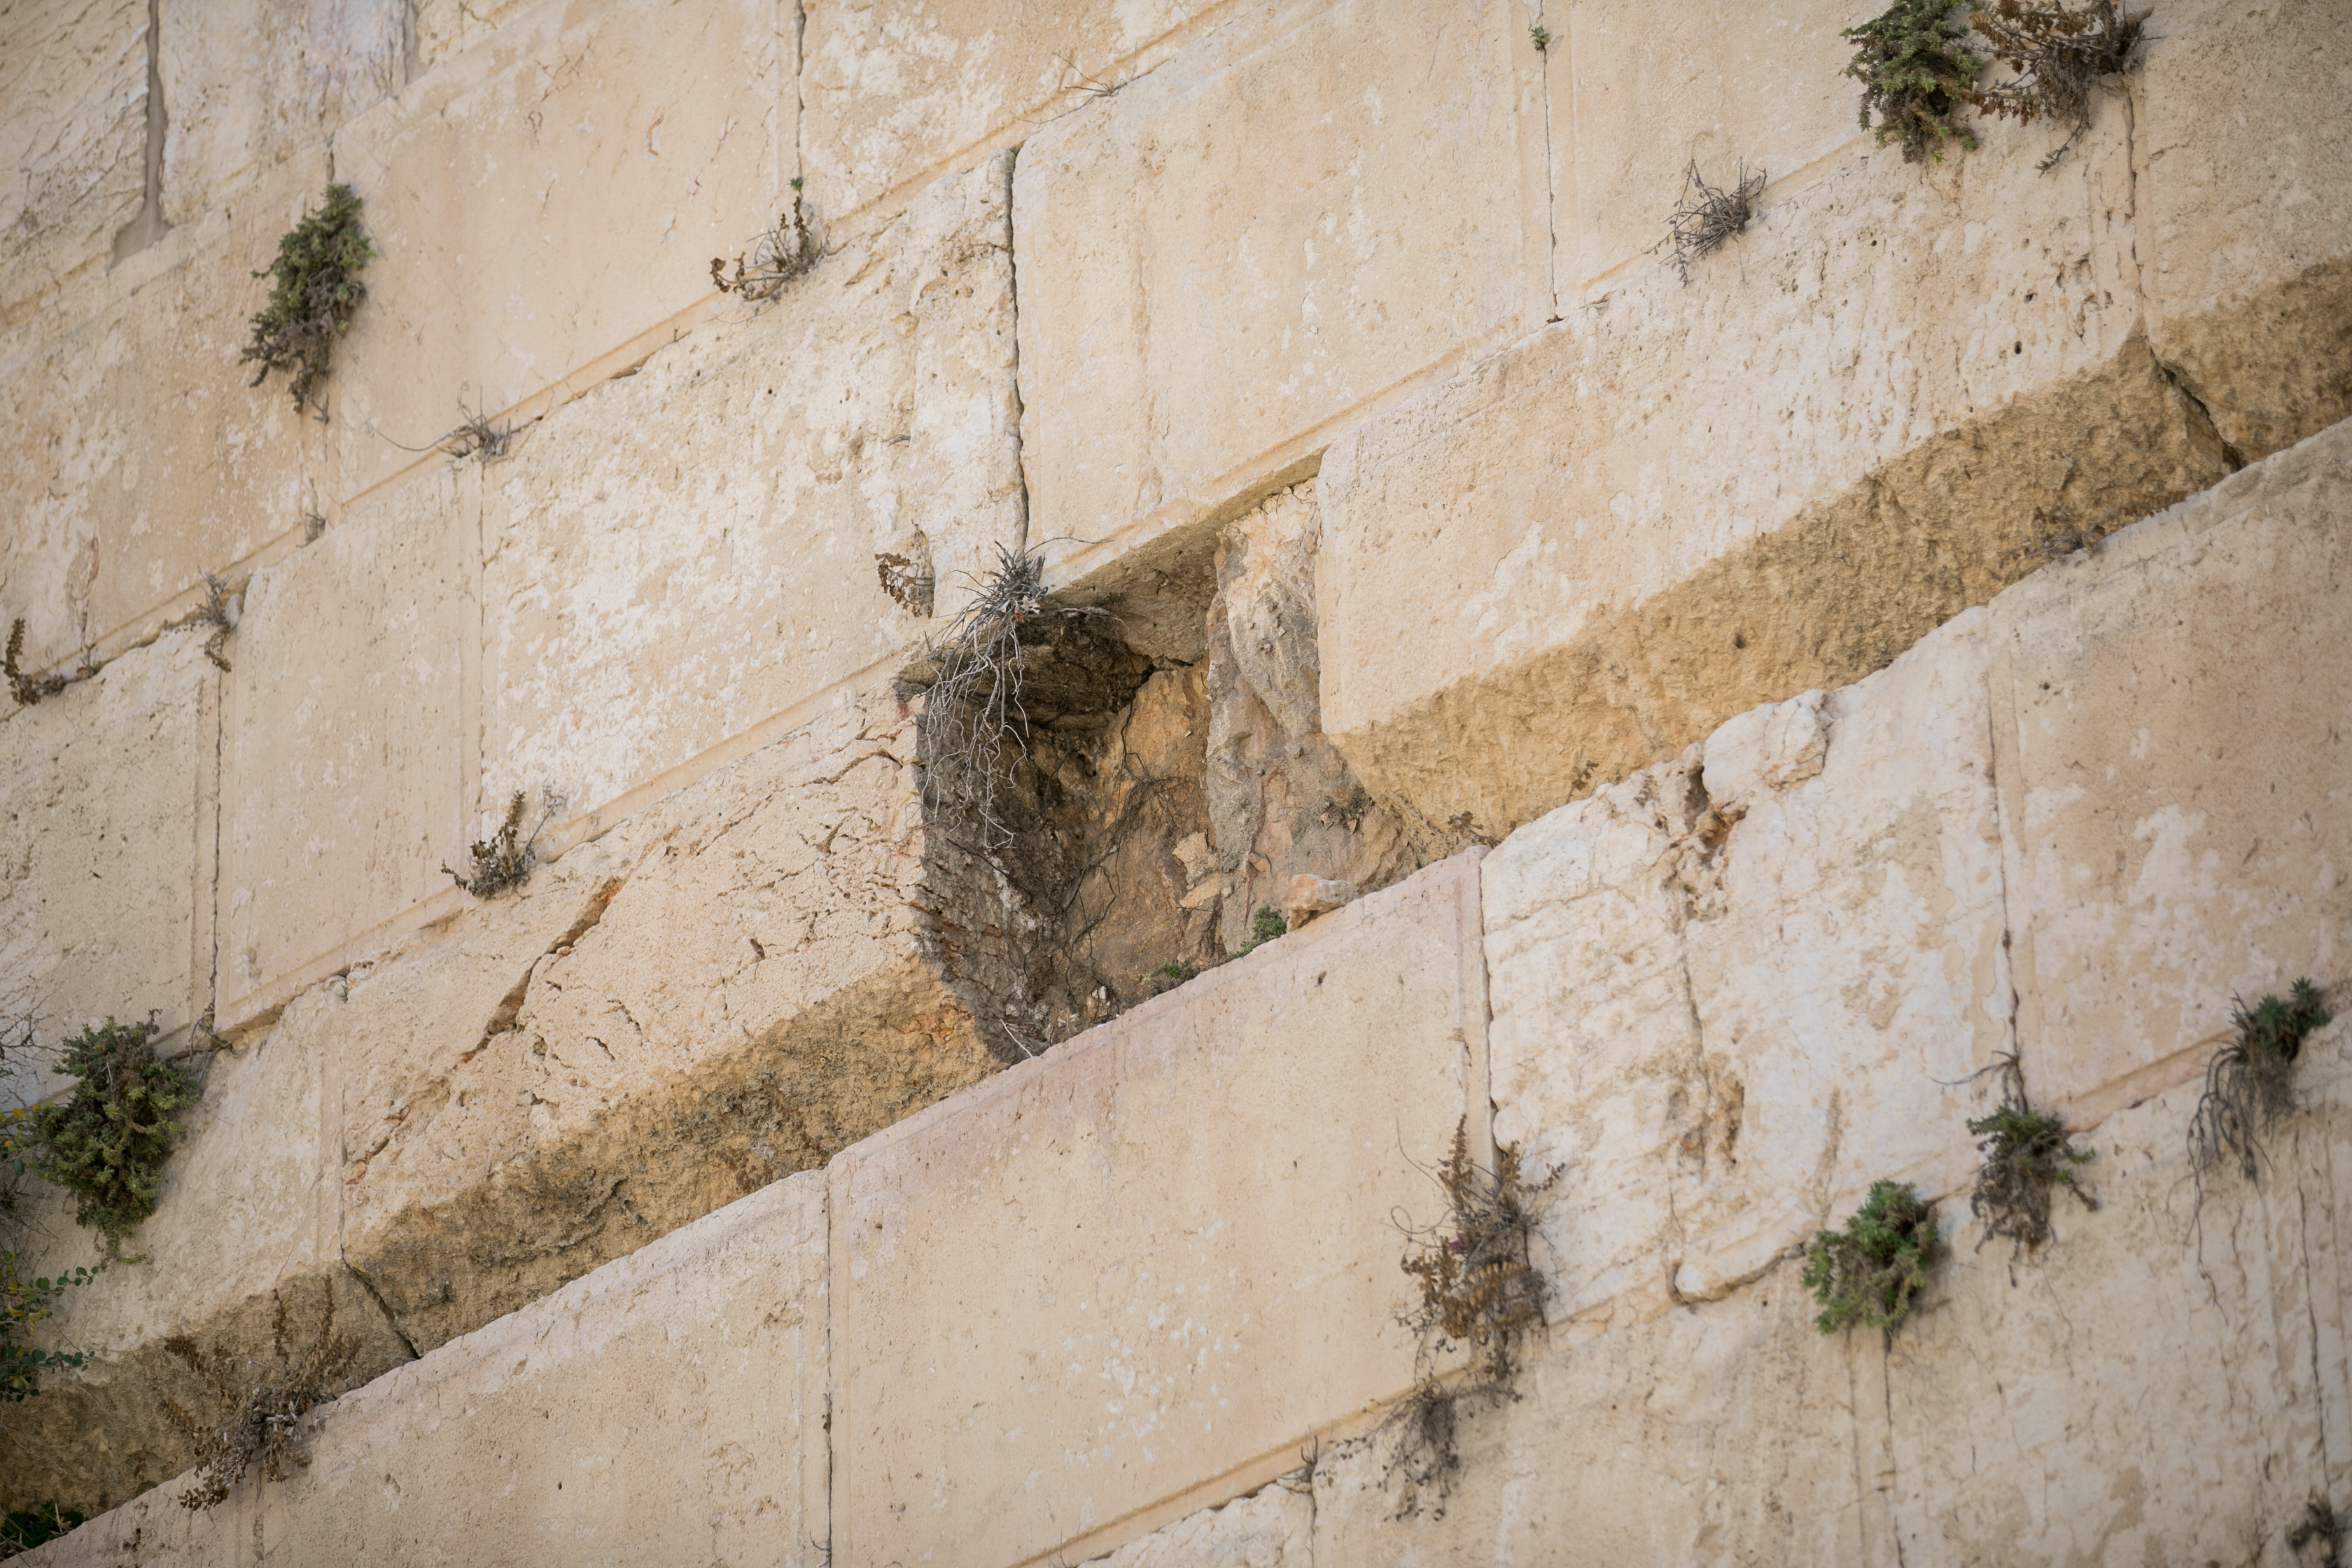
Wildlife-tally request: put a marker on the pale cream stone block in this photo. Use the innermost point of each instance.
(445, 27)
(893, 94)
(548, 196)
(1637, 92)
(669, 1408)
(348, 753)
(135, 452)
(729, 988)
(106, 860)
(1720, 1021)
(2177, 790)
(1146, 1267)
(1267, 235)
(2246, 224)
(1595, 547)
(1272, 1528)
(687, 551)
(250, 83)
(73, 141)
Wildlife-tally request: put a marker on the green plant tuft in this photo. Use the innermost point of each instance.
(1169, 976)
(1916, 73)
(2249, 1083)
(1265, 926)
(314, 291)
(23, 1303)
(2028, 1155)
(107, 1141)
(1873, 1271)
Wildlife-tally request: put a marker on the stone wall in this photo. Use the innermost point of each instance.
(1911, 638)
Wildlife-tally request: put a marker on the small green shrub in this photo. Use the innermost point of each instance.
(1169, 976)
(106, 1142)
(23, 1303)
(1916, 74)
(2249, 1083)
(1540, 36)
(1265, 926)
(1873, 1271)
(315, 290)
(25, 1528)
(2028, 1155)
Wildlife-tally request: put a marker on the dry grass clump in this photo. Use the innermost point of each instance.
(1917, 73)
(476, 436)
(777, 256)
(2061, 57)
(26, 688)
(1708, 218)
(257, 1423)
(2028, 1155)
(1479, 1293)
(315, 290)
(1872, 1272)
(2249, 1083)
(504, 860)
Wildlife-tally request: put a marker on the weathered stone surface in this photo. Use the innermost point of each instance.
(1690, 996)
(731, 988)
(1282, 802)
(241, 1257)
(893, 95)
(2176, 783)
(73, 141)
(687, 551)
(545, 199)
(445, 26)
(1590, 550)
(1272, 1528)
(2246, 237)
(2112, 1399)
(248, 84)
(669, 1408)
(347, 752)
(1191, 332)
(107, 859)
(1157, 1258)
(135, 457)
(1636, 94)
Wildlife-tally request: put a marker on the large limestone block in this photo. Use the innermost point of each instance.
(250, 83)
(348, 750)
(545, 199)
(689, 551)
(1138, 1274)
(2246, 233)
(105, 790)
(1719, 1019)
(1636, 94)
(73, 141)
(892, 95)
(243, 1253)
(2158, 1385)
(669, 1408)
(2177, 793)
(1725, 1434)
(136, 458)
(1591, 549)
(1193, 327)
(728, 989)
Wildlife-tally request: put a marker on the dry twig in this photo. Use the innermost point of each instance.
(1707, 218)
(2060, 56)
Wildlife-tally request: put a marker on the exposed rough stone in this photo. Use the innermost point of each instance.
(893, 95)
(1190, 331)
(73, 142)
(134, 457)
(686, 552)
(603, 156)
(755, 993)
(100, 852)
(1199, 1196)
(1271, 1528)
(2245, 182)
(250, 83)
(443, 28)
(1282, 802)
(1594, 549)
